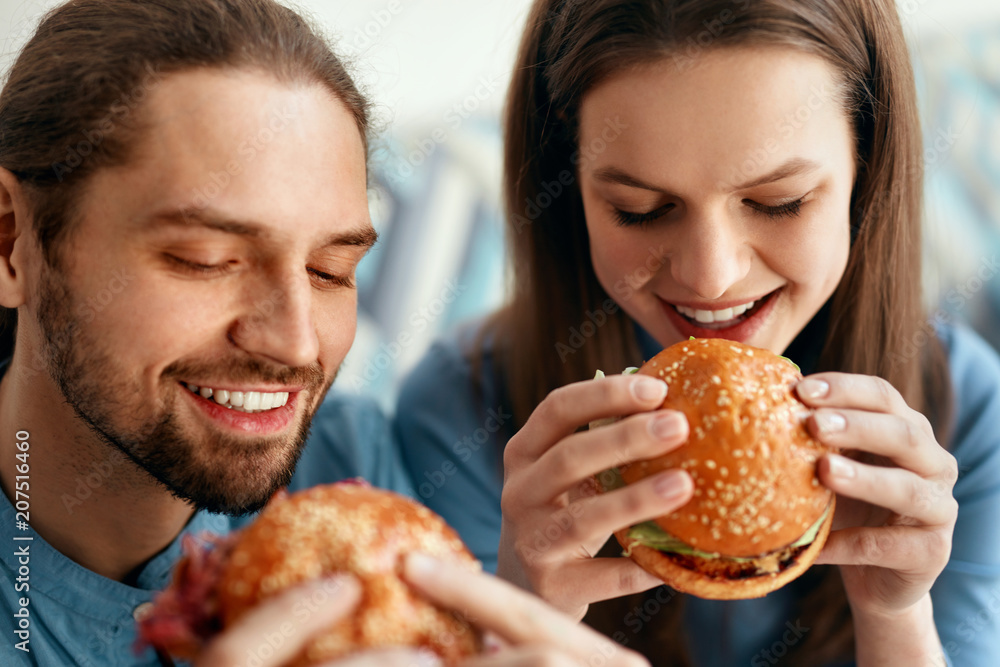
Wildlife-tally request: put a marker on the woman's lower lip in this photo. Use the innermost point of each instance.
(267, 422)
(741, 332)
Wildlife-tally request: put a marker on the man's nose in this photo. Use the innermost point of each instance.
(714, 254)
(278, 324)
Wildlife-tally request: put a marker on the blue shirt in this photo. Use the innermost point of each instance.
(79, 618)
(453, 450)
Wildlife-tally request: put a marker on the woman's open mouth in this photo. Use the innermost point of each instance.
(736, 323)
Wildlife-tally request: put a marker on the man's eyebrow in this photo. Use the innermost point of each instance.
(363, 236)
(792, 167)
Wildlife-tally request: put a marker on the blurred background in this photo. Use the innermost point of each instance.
(438, 70)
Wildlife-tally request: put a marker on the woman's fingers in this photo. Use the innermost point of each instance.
(596, 579)
(591, 520)
(568, 408)
(588, 453)
(925, 501)
(514, 615)
(906, 444)
(302, 611)
(907, 549)
(859, 392)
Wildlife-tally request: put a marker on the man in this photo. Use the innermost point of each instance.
(182, 209)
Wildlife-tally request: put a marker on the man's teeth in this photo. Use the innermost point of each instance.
(709, 316)
(242, 401)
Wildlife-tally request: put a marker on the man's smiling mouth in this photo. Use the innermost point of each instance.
(251, 402)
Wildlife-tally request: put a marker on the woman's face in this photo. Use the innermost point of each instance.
(717, 198)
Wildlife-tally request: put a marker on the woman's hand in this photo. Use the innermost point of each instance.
(523, 629)
(895, 509)
(553, 523)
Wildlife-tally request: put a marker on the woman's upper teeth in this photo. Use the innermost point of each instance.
(709, 316)
(244, 401)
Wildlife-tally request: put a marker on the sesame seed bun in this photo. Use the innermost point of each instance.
(753, 464)
(348, 527)
(364, 531)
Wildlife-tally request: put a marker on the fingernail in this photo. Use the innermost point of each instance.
(830, 422)
(671, 484)
(666, 426)
(841, 467)
(648, 389)
(419, 564)
(811, 388)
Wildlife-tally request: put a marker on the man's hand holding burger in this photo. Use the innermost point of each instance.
(553, 522)
(896, 514)
(523, 629)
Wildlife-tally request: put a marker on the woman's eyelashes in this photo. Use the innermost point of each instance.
(786, 209)
(629, 219)
(783, 210)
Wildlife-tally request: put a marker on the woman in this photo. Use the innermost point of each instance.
(747, 170)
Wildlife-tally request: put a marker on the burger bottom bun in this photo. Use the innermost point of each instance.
(700, 584)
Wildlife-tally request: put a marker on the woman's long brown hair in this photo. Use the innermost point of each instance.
(877, 325)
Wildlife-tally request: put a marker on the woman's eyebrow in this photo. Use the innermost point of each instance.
(616, 175)
(793, 167)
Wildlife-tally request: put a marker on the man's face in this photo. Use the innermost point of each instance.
(221, 258)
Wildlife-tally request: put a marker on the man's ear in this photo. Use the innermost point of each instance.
(15, 236)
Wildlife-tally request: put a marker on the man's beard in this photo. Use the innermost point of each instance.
(216, 472)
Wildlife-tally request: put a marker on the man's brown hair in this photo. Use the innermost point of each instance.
(70, 104)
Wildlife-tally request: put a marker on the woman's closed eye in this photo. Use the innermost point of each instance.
(631, 219)
(639, 219)
(785, 209)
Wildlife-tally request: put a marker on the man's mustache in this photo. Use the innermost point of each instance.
(246, 371)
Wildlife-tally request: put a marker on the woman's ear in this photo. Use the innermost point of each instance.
(14, 235)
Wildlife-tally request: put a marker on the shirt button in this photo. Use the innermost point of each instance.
(142, 610)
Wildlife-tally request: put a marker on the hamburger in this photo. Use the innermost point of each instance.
(347, 527)
(759, 515)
